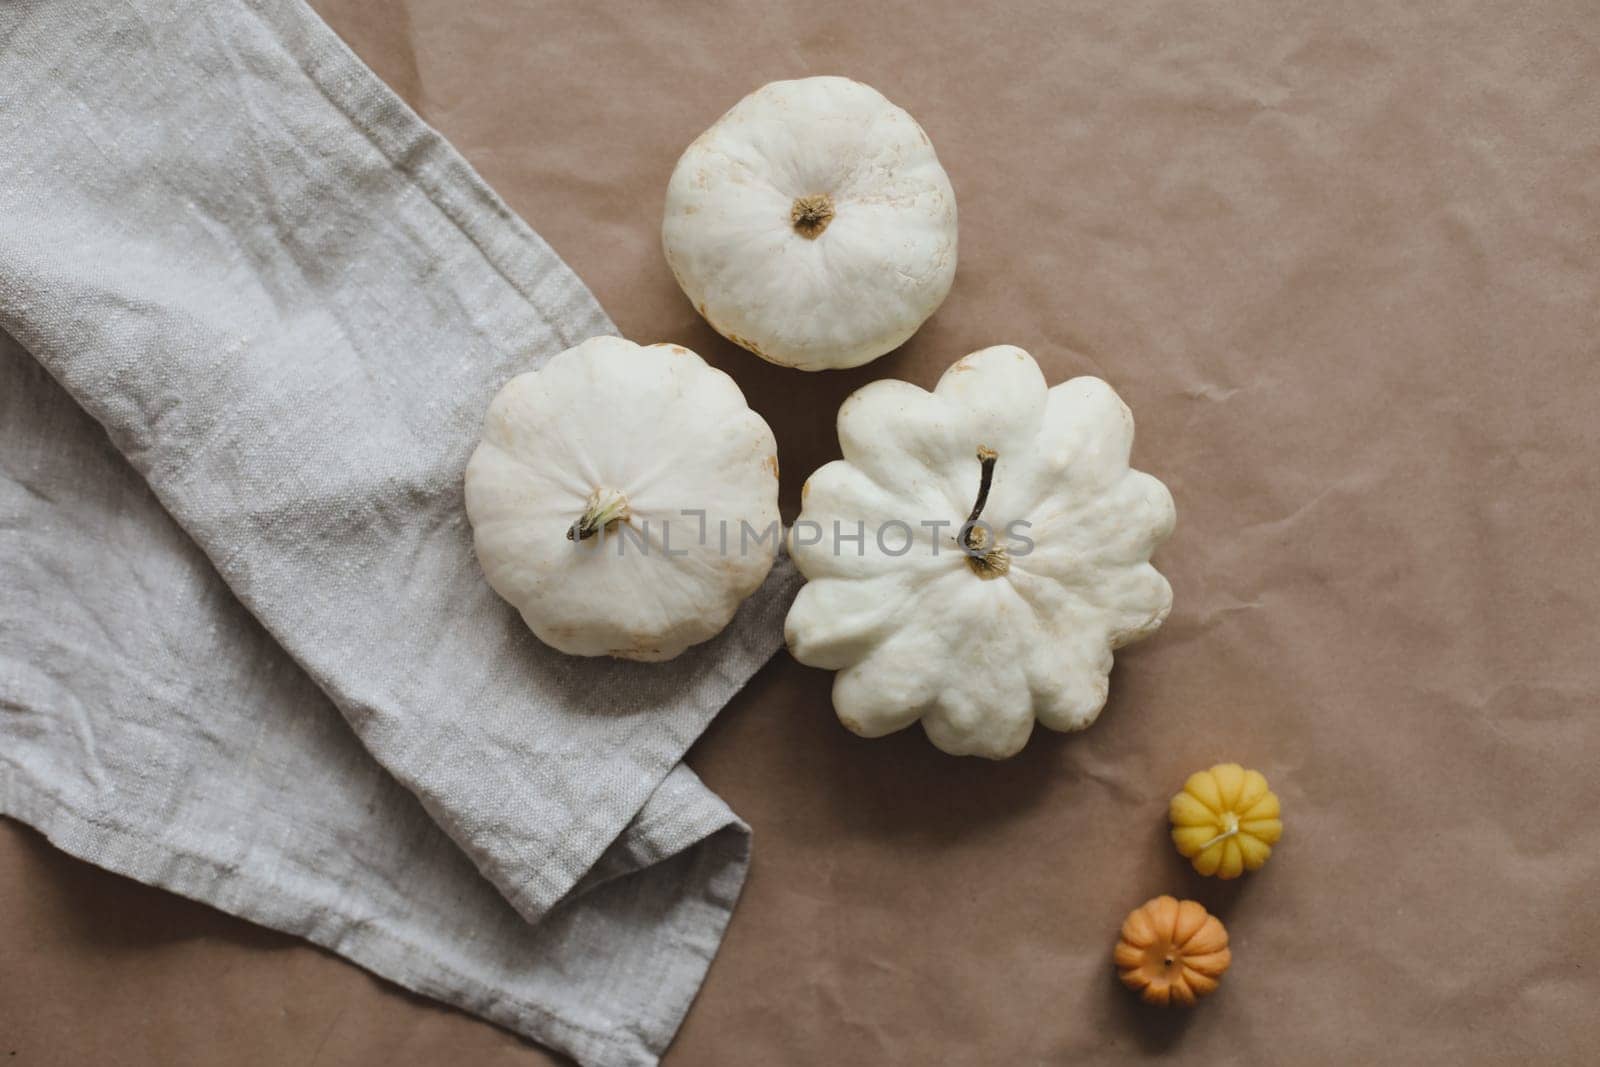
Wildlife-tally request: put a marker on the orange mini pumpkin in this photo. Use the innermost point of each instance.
(1172, 952)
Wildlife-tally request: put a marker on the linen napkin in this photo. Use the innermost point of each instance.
(287, 302)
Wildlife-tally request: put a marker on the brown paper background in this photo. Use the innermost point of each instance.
(1341, 259)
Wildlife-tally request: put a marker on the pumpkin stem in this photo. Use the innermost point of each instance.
(1230, 824)
(810, 215)
(604, 507)
(985, 560)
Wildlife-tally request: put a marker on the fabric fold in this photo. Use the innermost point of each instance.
(288, 302)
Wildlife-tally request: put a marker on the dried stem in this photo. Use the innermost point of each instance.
(604, 507)
(986, 560)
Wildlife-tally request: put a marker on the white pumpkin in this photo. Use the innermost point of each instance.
(587, 491)
(977, 630)
(812, 224)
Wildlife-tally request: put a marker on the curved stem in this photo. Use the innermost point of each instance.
(986, 557)
(1230, 822)
(986, 457)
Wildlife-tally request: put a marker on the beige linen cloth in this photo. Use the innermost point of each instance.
(286, 302)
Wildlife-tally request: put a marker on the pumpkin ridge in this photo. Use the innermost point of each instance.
(1200, 983)
(1203, 787)
(1190, 918)
(1206, 962)
(1230, 784)
(1260, 829)
(1265, 803)
(1255, 787)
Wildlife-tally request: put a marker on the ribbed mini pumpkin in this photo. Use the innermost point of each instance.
(1171, 951)
(1226, 820)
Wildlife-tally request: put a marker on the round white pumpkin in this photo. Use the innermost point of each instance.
(812, 224)
(607, 494)
(978, 629)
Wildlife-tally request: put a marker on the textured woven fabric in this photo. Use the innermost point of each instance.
(287, 302)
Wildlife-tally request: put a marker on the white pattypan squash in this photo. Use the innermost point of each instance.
(607, 497)
(978, 629)
(812, 224)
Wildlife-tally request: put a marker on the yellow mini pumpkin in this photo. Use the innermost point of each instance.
(1226, 820)
(1172, 952)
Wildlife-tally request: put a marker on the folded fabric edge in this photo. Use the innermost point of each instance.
(720, 864)
(680, 814)
(754, 636)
